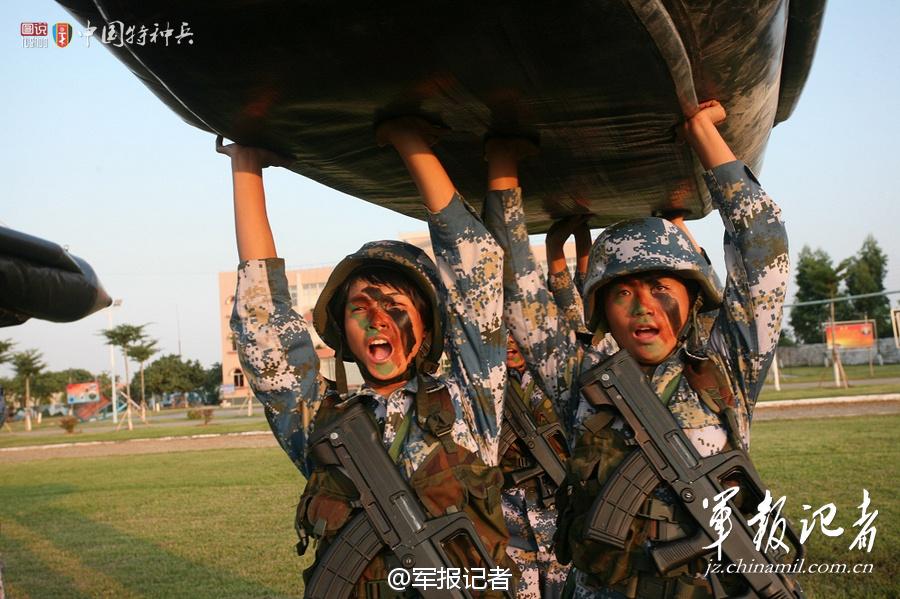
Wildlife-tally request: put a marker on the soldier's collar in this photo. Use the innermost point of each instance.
(675, 362)
(411, 386)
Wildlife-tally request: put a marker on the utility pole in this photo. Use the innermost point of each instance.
(178, 329)
(840, 379)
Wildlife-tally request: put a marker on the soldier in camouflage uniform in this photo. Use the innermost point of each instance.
(531, 521)
(649, 286)
(391, 311)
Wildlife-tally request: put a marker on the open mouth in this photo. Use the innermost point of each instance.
(646, 333)
(380, 350)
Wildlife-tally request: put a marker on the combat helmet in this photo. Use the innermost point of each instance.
(403, 257)
(641, 245)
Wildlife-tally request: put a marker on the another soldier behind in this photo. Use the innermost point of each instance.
(387, 308)
(648, 285)
(565, 288)
(529, 491)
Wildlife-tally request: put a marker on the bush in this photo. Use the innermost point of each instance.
(68, 423)
(197, 413)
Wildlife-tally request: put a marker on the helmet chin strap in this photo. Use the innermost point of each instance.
(690, 336)
(340, 374)
(403, 376)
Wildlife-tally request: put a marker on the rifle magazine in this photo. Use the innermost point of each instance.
(343, 563)
(615, 508)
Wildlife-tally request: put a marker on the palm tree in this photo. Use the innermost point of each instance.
(125, 336)
(141, 353)
(28, 364)
(5, 346)
(5, 356)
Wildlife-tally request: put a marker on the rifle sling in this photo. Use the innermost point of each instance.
(402, 432)
(524, 394)
(670, 389)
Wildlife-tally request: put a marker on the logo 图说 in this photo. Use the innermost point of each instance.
(29, 29)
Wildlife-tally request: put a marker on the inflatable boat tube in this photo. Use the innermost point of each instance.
(40, 279)
(603, 84)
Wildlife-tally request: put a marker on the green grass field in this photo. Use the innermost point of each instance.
(220, 523)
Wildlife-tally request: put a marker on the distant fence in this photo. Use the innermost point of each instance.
(818, 354)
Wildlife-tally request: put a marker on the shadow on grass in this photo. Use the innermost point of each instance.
(136, 564)
(26, 575)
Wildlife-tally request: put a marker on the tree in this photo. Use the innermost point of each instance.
(865, 273)
(125, 336)
(213, 381)
(171, 374)
(817, 279)
(5, 346)
(141, 353)
(46, 384)
(787, 338)
(27, 365)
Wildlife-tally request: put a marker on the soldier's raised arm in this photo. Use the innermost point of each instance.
(756, 255)
(274, 345)
(469, 265)
(545, 336)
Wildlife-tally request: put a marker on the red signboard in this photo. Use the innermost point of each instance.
(82, 392)
(851, 335)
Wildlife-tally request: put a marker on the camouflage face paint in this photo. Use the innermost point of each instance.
(399, 315)
(361, 319)
(670, 306)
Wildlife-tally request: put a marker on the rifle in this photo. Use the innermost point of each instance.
(664, 454)
(391, 515)
(520, 425)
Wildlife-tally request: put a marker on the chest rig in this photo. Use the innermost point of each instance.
(451, 479)
(600, 450)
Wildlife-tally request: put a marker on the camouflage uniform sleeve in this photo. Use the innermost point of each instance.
(545, 338)
(567, 299)
(470, 264)
(756, 256)
(277, 355)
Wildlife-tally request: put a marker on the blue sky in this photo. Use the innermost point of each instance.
(94, 161)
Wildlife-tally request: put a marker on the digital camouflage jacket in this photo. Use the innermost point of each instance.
(281, 366)
(280, 363)
(742, 337)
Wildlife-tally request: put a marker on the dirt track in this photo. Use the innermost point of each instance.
(830, 408)
(137, 446)
(792, 410)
